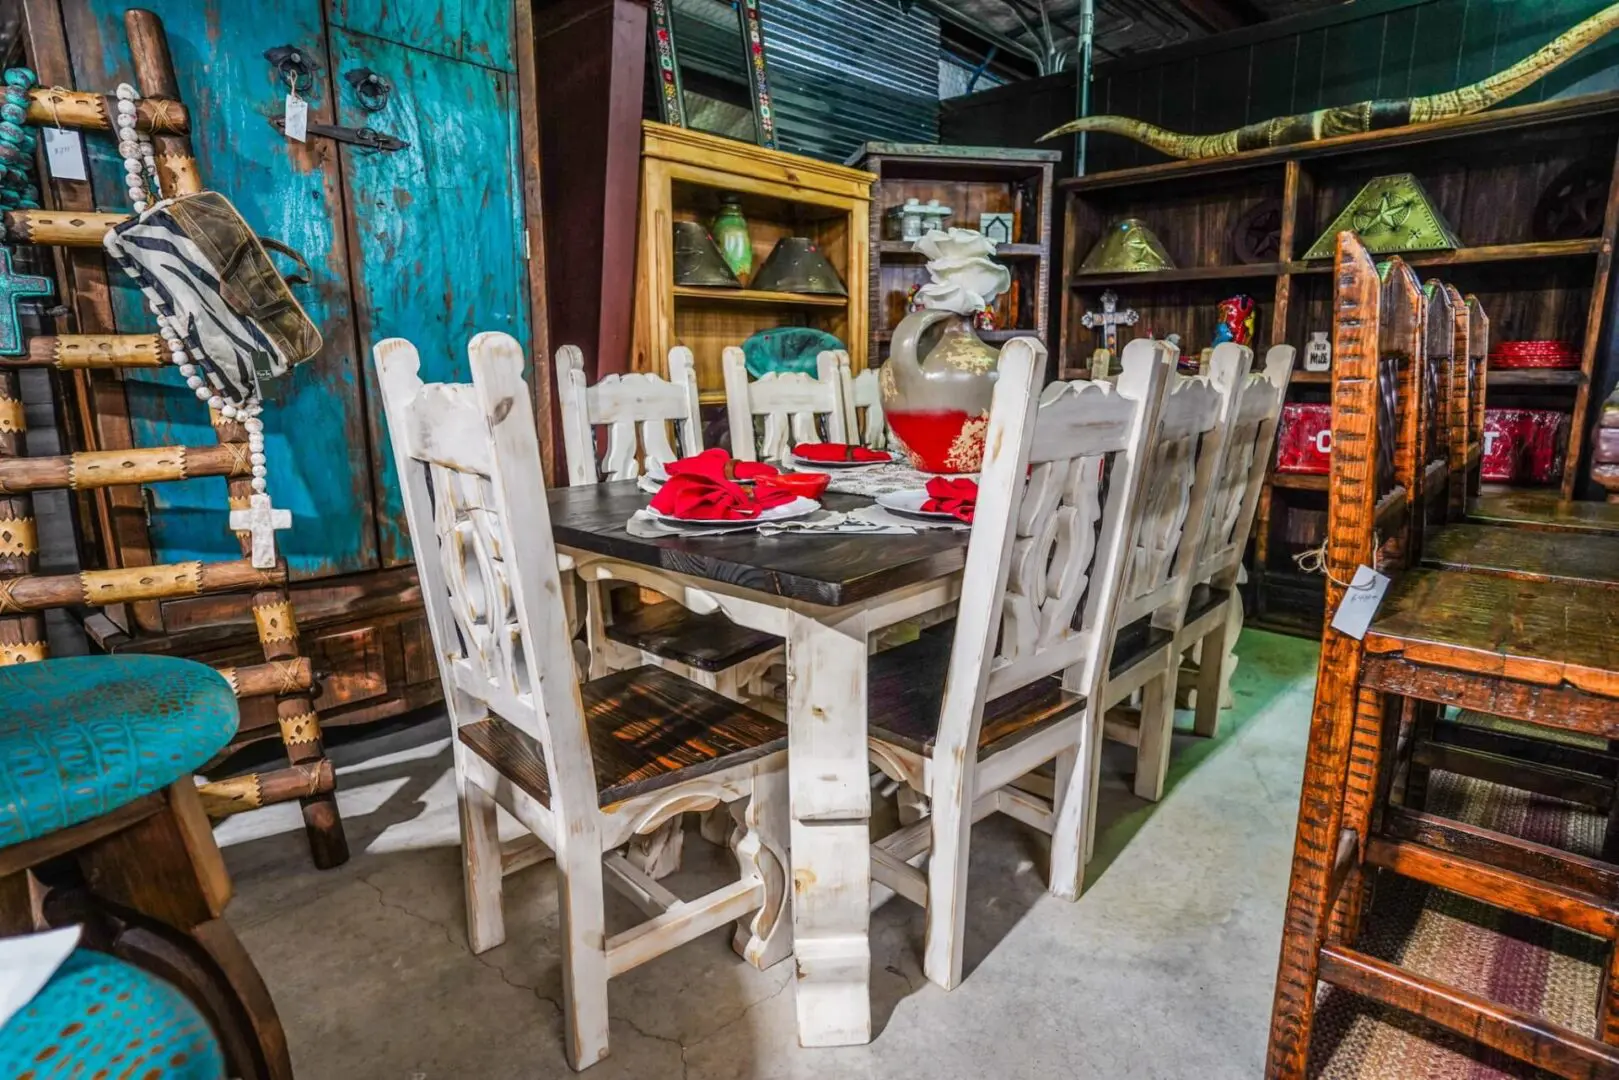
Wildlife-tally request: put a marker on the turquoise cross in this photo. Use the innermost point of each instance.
(14, 286)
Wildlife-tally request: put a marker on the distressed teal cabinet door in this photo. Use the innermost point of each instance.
(478, 31)
(316, 427)
(437, 245)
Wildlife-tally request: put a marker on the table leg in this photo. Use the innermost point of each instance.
(831, 801)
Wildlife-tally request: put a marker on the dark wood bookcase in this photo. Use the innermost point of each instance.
(969, 180)
(1486, 174)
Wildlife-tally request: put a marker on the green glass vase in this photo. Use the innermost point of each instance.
(730, 231)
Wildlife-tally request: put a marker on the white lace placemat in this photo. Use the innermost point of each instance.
(871, 480)
(869, 520)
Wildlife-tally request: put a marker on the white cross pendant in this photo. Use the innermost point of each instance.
(262, 520)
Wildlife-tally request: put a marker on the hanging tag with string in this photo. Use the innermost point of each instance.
(297, 114)
(1362, 596)
(64, 150)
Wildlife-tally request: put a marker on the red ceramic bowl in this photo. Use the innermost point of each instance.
(808, 485)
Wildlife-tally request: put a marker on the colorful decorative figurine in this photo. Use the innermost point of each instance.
(937, 383)
(730, 231)
(1318, 354)
(1390, 215)
(1363, 115)
(1127, 247)
(1236, 320)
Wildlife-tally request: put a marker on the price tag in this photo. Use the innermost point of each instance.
(1360, 603)
(297, 118)
(64, 153)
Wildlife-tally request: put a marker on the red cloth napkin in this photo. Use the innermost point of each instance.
(718, 464)
(955, 497)
(705, 488)
(836, 451)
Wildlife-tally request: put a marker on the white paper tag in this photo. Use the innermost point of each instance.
(297, 119)
(1360, 603)
(64, 153)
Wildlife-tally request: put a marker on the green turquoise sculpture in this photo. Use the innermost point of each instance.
(786, 348)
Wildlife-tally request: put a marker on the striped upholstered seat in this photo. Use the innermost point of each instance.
(81, 737)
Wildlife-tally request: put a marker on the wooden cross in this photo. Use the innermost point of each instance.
(262, 520)
(1110, 319)
(14, 286)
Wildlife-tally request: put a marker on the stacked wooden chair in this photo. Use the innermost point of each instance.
(963, 712)
(117, 474)
(585, 767)
(796, 408)
(1535, 651)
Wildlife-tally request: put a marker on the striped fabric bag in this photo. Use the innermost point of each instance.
(200, 265)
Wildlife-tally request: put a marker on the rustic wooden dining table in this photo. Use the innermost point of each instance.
(825, 595)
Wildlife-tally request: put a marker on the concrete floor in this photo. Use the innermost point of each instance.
(1163, 968)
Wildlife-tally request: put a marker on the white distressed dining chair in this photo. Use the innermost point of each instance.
(638, 410)
(1166, 542)
(863, 399)
(796, 408)
(1212, 631)
(585, 767)
(959, 717)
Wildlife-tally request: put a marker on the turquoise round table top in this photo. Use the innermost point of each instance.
(82, 736)
(98, 1016)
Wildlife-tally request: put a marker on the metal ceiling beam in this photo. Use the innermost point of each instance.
(1222, 15)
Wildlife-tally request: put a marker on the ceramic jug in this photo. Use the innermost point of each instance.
(936, 389)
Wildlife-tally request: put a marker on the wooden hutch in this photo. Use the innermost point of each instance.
(970, 180)
(683, 175)
(1530, 287)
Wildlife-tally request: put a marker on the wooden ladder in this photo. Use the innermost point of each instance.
(25, 594)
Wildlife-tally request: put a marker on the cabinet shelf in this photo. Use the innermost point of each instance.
(993, 337)
(1533, 378)
(712, 295)
(901, 248)
(1486, 253)
(1166, 277)
(1300, 481)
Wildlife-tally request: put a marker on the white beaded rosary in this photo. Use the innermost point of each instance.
(140, 175)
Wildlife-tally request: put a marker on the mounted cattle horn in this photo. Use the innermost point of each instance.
(1361, 117)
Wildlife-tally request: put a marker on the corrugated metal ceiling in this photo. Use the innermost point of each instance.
(1037, 28)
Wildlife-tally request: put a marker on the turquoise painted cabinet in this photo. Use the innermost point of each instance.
(425, 243)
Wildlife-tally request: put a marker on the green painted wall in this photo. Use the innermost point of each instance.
(1368, 49)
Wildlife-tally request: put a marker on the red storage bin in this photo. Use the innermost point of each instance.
(1304, 439)
(1525, 446)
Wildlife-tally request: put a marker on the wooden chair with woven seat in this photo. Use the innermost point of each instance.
(1542, 653)
(962, 712)
(101, 826)
(584, 767)
(796, 408)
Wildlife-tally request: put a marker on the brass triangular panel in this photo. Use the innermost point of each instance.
(1392, 214)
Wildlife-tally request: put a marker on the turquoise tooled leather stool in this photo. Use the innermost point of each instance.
(97, 800)
(83, 736)
(98, 1013)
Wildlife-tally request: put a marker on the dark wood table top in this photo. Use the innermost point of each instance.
(830, 570)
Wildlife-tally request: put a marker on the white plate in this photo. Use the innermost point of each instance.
(817, 466)
(911, 502)
(799, 507)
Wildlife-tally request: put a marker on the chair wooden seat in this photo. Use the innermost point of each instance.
(707, 642)
(905, 689)
(1583, 558)
(648, 729)
(1548, 633)
(1531, 510)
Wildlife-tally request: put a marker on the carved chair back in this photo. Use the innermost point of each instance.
(637, 409)
(1183, 466)
(1379, 340)
(1435, 385)
(795, 407)
(863, 402)
(1478, 352)
(1041, 585)
(1250, 438)
(474, 498)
